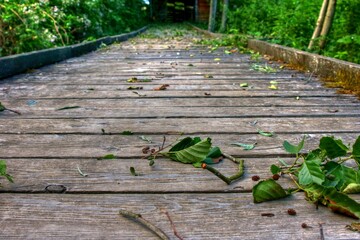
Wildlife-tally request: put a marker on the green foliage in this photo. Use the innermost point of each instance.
(28, 25)
(322, 175)
(194, 151)
(268, 190)
(292, 22)
(3, 171)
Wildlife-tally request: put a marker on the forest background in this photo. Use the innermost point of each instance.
(28, 25)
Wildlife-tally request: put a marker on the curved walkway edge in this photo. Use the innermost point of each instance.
(19, 63)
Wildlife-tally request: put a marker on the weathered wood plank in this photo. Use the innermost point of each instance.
(232, 216)
(153, 111)
(188, 126)
(49, 93)
(94, 146)
(166, 176)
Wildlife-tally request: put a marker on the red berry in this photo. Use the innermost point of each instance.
(255, 178)
(276, 177)
(291, 211)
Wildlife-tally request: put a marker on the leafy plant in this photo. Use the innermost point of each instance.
(324, 174)
(198, 152)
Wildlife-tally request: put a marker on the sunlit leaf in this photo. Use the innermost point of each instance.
(244, 146)
(334, 147)
(265, 134)
(244, 84)
(295, 149)
(311, 173)
(268, 190)
(217, 59)
(352, 188)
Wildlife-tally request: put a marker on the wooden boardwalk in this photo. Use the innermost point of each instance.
(44, 147)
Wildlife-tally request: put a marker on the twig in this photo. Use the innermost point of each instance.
(321, 232)
(14, 111)
(138, 218)
(228, 156)
(173, 226)
(230, 179)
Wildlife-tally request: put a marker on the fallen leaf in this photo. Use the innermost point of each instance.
(134, 88)
(244, 84)
(133, 172)
(162, 87)
(107, 157)
(80, 172)
(127, 133)
(190, 65)
(207, 94)
(273, 87)
(217, 59)
(141, 95)
(265, 134)
(146, 139)
(132, 80)
(208, 76)
(244, 146)
(67, 107)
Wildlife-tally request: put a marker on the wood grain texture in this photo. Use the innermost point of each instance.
(196, 216)
(45, 149)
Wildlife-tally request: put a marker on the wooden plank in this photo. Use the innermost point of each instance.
(153, 111)
(196, 216)
(105, 176)
(336, 101)
(94, 146)
(49, 93)
(188, 126)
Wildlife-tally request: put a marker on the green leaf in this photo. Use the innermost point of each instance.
(336, 201)
(3, 170)
(334, 147)
(146, 139)
(316, 155)
(67, 107)
(265, 134)
(356, 150)
(190, 150)
(2, 107)
(133, 172)
(244, 146)
(214, 156)
(311, 173)
(107, 157)
(343, 175)
(244, 84)
(295, 149)
(127, 133)
(275, 169)
(268, 190)
(352, 188)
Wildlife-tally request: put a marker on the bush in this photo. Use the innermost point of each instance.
(29, 25)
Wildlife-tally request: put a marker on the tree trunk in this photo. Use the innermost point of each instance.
(212, 15)
(224, 15)
(327, 23)
(196, 10)
(319, 23)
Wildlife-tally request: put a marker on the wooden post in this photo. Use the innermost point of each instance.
(319, 23)
(196, 10)
(327, 23)
(212, 15)
(224, 15)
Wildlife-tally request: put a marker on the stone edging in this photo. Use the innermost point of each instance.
(324, 67)
(19, 63)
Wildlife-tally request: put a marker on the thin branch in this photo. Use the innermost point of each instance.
(173, 226)
(230, 179)
(138, 218)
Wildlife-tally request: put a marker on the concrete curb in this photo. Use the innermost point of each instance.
(325, 67)
(19, 63)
